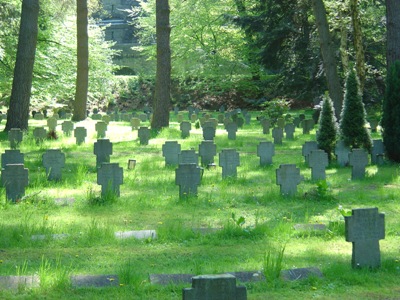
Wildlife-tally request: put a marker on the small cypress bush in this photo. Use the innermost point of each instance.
(390, 121)
(328, 129)
(353, 117)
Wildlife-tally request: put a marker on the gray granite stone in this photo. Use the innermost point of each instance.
(288, 177)
(80, 135)
(342, 154)
(94, 280)
(265, 150)
(11, 157)
(318, 161)
(110, 176)
(229, 160)
(358, 160)
(188, 177)
(171, 151)
(14, 178)
(207, 151)
(53, 161)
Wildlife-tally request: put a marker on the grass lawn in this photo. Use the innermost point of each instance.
(253, 219)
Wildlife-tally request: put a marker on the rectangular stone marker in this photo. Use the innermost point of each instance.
(265, 150)
(135, 123)
(188, 157)
(307, 125)
(188, 177)
(377, 152)
(103, 148)
(342, 154)
(144, 135)
(214, 287)
(166, 279)
(307, 148)
(11, 157)
(110, 176)
(14, 178)
(137, 234)
(247, 119)
(232, 129)
(38, 116)
(288, 177)
(208, 133)
(101, 128)
(301, 273)
(80, 135)
(373, 124)
(277, 134)
(185, 128)
(358, 160)
(171, 151)
(207, 151)
(296, 121)
(266, 124)
(364, 228)
(318, 161)
(53, 161)
(229, 161)
(94, 280)
(52, 123)
(289, 131)
(67, 127)
(14, 137)
(143, 117)
(17, 282)
(39, 134)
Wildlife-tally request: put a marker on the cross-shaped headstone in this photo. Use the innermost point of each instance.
(307, 148)
(232, 129)
(240, 122)
(135, 123)
(220, 118)
(103, 148)
(289, 130)
(144, 135)
(38, 116)
(110, 176)
(179, 118)
(307, 125)
(296, 121)
(171, 151)
(208, 132)
(277, 134)
(364, 228)
(229, 161)
(80, 135)
(15, 137)
(318, 161)
(247, 119)
(188, 157)
(188, 177)
(265, 150)
(53, 161)
(342, 153)
(52, 123)
(377, 152)
(288, 177)
(185, 128)
(67, 127)
(266, 124)
(106, 119)
(358, 159)
(11, 157)
(40, 134)
(373, 124)
(101, 128)
(207, 151)
(143, 117)
(15, 178)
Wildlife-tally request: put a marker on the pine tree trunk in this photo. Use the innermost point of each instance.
(393, 31)
(163, 74)
(328, 56)
(18, 113)
(82, 76)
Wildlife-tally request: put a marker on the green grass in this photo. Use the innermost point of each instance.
(255, 221)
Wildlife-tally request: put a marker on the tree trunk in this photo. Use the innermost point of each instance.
(392, 31)
(82, 76)
(18, 113)
(328, 56)
(163, 74)
(344, 55)
(358, 45)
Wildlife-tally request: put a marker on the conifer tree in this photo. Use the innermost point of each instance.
(328, 128)
(353, 131)
(391, 113)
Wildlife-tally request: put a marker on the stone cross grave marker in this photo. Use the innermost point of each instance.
(135, 123)
(11, 157)
(358, 159)
(106, 119)
(296, 121)
(302, 117)
(53, 161)
(265, 150)
(176, 110)
(307, 148)
(342, 153)
(373, 124)
(110, 176)
(188, 157)
(14, 137)
(185, 128)
(207, 151)
(171, 151)
(40, 134)
(266, 124)
(103, 148)
(38, 116)
(67, 127)
(188, 177)
(289, 130)
(232, 129)
(247, 118)
(318, 161)
(52, 123)
(80, 135)
(229, 160)
(193, 118)
(214, 287)
(277, 134)
(208, 132)
(116, 116)
(101, 128)
(143, 117)
(377, 152)
(179, 118)
(144, 135)
(239, 121)
(288, 177)
(364, 228)
(221, 118)
(280, 123)
(14, 178)
(96, 116)
(308, 125)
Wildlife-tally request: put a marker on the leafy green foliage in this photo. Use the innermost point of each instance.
(391, 113)
(352, 123)
(273, 264)
(275, 108)
(328, 128)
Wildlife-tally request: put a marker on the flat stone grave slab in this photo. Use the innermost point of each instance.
(103, 148)
(14, 178)
(342, 153)
(110, 176)
(137, 234)
(229, 160)
(15, 137)
(310, 227)
(358, 160)
(39, 134)
(377, 152)
(11, 157)
(265, 150)
(53, 161)
(288, 177)
(16, 282)
(307, 148)
(94, 280)
(57, 236)
(64, 201)
(185, 128)
(301, 273)
(171, 151)
(207, 151)
(144, 135)
(205, 230)
(67, 127)
(318, 161)
(80, 135)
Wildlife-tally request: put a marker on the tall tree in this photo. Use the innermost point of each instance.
(392, 31)
(18, 113)
(82, 76)
(328, 55)
(163, 73)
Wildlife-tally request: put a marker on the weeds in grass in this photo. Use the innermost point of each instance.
(272, 265)
(56, 276)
